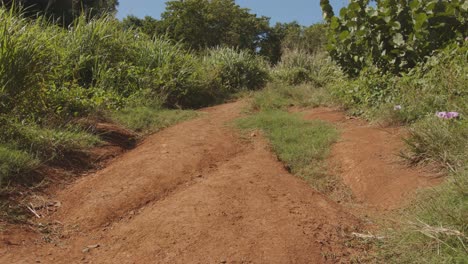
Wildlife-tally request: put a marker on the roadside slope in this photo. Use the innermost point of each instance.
(366, 157)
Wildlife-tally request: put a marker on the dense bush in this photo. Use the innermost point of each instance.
(236, 70)
(395, 35)
(438, 85)
(224, 71)
(97, 64)
(298, 67)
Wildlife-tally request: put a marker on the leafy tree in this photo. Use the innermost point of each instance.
(292, 36)
(210, 23)
(148, 25)
(64, 11)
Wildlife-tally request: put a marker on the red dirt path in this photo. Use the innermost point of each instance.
(197, 193)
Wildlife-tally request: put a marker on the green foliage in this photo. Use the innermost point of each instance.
(13, 162)
(25, 60)
(309, 40)
(297, 67)
(50, 76)
(441, 141)
(148, 120)
(207, 24)
(396, 35)
(48, 71)
(45, 143)
(438, 227)
(438, 85)
(236, 70)
(148, 25)
(63, 12)
(327, 9)
(284, 37)
(279, 96)
(301, 145)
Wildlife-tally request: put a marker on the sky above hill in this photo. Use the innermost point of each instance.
(306, 12)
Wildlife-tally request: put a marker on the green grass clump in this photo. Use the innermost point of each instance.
(14, 162)
(47, 143)
(441, 141)
(302, 145)
(148, 120)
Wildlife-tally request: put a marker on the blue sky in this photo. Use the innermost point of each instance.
(306, 12)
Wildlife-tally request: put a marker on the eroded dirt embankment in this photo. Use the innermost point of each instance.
(194, 193)
(367, 159)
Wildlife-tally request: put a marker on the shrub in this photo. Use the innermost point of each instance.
(235, 70)
(298, 67)
(437, 140)
(394, 36)
(438, 85)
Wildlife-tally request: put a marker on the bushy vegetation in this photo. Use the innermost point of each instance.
(299, 67)
(395, 35)
(236, 70)
(63, 12)
(438, 85)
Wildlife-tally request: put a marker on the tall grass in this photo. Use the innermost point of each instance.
(231, 71)
(25, 61)
(299, 67)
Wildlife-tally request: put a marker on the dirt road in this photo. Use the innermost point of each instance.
(193, 193)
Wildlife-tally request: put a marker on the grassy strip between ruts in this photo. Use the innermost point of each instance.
(302, 145)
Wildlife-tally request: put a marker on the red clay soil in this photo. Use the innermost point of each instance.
(193, 193)
(366, 157)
